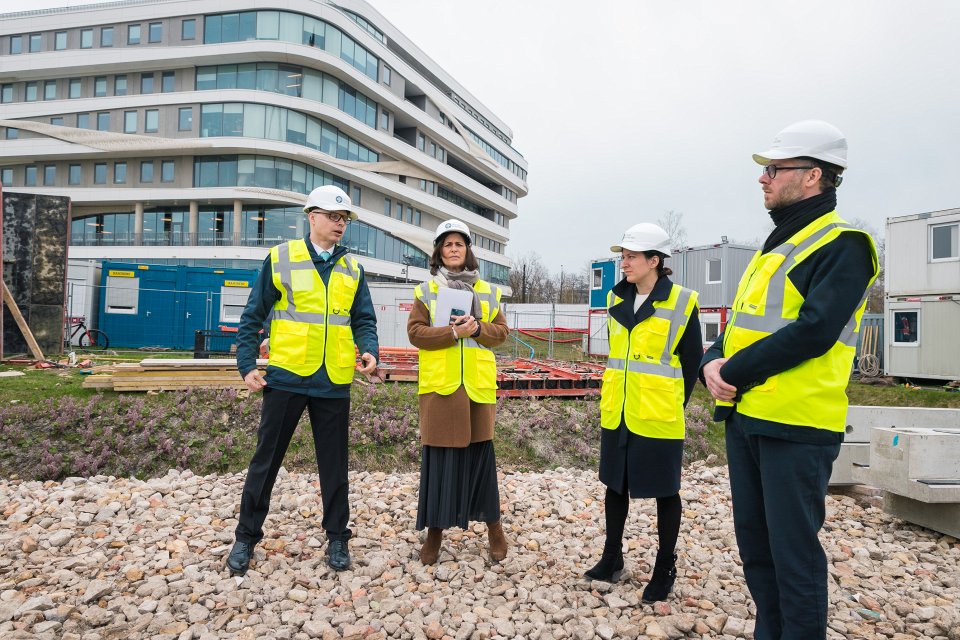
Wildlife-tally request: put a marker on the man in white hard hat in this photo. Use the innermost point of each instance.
(319, 306)
(779, 372)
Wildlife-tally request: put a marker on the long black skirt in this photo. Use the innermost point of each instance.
(458, 486)
(638, 466)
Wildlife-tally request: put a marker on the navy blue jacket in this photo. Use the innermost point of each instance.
(363, 321)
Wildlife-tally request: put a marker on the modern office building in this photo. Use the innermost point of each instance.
(186, 134)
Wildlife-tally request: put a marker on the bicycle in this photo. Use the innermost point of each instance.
(89, 338)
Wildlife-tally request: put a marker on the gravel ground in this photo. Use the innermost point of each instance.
(107, 558)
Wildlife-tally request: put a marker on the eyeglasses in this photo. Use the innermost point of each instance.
(771, 170)
(333, 217)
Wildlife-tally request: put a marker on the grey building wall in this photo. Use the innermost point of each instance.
(690, 270)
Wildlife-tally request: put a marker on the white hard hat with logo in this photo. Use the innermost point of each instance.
(451, 226)
(807, 138)
(330, 198)
(645, 236)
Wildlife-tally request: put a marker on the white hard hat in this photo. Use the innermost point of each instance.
(330, 198)
(807, 138)
(450, 226)
(645, 236)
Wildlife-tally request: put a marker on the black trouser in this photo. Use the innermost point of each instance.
(779, 488)
(329, 418)
(616, 506)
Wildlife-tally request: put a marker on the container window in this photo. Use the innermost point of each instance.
(123, 295)
(906, 327)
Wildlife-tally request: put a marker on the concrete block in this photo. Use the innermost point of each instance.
(851, 454)
(944, 518)
(922, 464)
(861, 420)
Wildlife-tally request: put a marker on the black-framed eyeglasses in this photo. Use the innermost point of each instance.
(771, 169)
(332, 216)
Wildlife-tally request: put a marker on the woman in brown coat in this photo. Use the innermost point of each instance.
(457, 385)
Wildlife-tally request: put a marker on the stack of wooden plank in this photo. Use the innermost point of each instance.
(158, 374)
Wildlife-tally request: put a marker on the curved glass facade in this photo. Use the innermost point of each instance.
(289, 80)
(493, 272)
(289, 27)
(261, 171)
(277, 123)
(365, 240)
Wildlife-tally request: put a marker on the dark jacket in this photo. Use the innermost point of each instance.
(690, 347)
(363, 321)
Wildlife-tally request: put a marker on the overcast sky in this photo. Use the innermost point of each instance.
(626, 109)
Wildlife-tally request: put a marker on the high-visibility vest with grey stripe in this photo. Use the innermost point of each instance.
(813, 393)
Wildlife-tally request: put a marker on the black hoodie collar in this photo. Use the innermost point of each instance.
(794, 217)
(622, 312)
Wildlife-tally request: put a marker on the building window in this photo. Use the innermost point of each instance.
(31, 92)
(387, 75)
(119, 172)
(152, 121)
(713, 270)
(50, 90)
(166, 171)
(129, 121)
(384, 120)
(75, 87)
(188, 29)
(86, 38)
(146, 171)
(30, 176)
(57, 121)
(185, 119)
(597, 279)
(100, 86)
(119, 85)
(387, 207)
(11, 133)
(6, 93)
(167, 81)
(421, 141)
(146, 83)
(83, 121)
(16, 45)
(106, 37)
(60, 40)
(905, 327)
(355, 195)
(100, 173)
(155, 33)
(36, 43)
(6, 177)
(74, 174)
(49, 175)
(711, 331)
(133, 34)
(103, 121)
(943, 242)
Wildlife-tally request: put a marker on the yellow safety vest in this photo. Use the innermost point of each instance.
(468, 362)
(311, 322)
(643, 381)
(812, 394)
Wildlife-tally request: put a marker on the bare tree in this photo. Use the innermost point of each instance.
(531, 280)
(672, 223)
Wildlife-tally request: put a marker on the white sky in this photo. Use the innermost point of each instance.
(626, 109)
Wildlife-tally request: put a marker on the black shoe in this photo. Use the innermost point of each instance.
(338, 557)
(609, 569)
(239, 559)
(661, 582)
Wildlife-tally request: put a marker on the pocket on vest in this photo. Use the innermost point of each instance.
(433, 368)
(658, 398)
(288, 342)
(486, 369)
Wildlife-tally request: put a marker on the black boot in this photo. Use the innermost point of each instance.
(661, 582)
(610, 567)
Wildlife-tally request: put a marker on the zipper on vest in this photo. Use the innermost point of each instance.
(736, 310)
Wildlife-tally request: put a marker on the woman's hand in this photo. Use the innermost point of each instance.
(464, 326)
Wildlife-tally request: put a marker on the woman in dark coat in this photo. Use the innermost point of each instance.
(457, 386)
(655, 351)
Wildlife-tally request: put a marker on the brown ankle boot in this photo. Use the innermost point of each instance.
(498, 542)
(430, 550)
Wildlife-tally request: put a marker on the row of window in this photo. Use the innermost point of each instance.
(431, 148)
(48, 89)
(486, 243)
(479, 118)
(104, 37)
(261, 171)
(368, 27)
(509, 164)
(460, 201)
(278, 123)
(493, 272)
(47, 174)
(289, 27)
(294, 81)
(403, 211)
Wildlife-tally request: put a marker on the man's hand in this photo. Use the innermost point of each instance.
(465, 326)
(369, 364)
(254, 381)
(718, 388)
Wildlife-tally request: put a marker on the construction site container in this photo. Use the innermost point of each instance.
(83, 294)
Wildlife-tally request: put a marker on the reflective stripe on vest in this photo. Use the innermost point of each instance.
(646, 389)
(466, 363)
(813, 393)
(310, 324)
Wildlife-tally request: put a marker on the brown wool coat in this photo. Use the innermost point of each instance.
(454, 420)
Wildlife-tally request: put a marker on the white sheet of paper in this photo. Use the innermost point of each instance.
(450, 299)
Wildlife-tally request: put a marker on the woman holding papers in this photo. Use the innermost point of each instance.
(454, 323)
(655, 349)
